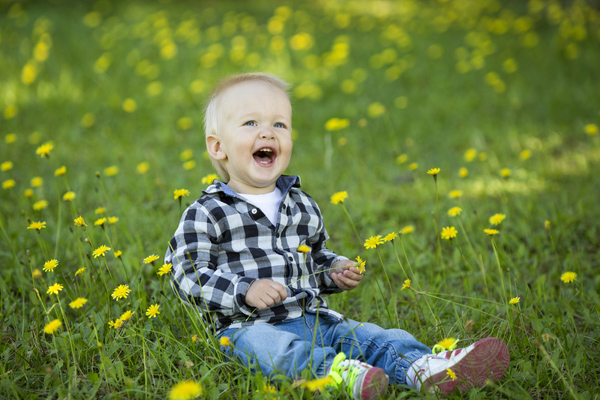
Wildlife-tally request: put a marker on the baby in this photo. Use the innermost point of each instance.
(250, 253)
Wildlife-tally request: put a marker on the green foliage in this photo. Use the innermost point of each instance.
(118, 89)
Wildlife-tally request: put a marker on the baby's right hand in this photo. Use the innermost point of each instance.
(265, 293)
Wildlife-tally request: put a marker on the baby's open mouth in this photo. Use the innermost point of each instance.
(264, 156)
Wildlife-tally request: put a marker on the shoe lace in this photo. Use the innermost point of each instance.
(336, 372)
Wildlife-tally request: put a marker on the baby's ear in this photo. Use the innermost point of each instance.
(214, 148)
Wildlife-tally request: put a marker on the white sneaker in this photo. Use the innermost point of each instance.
(362, 381)
(469, 367)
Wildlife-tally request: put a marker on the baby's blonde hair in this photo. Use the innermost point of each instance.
(211, 113)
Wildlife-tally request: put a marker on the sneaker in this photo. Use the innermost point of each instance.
(362, 380)
(463, 368)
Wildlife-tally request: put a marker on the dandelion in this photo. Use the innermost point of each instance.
(189, 165)
(505, 172)
(152, 311)
(406, 284)
(113, 220)
(100, 251)
(451, 374)
(180, 193)
(390, 237)
(591, 129)
(449, 232)
(514, 300)
(36, 273)
(413, 166)
(79, 221)
(111, 171)
(78, 303)
(339, 197)
(117, 253)
(208, 179)
(568, 277)
(8, 184)
(463, 172)
(121, 292)
(360, 266)
(52, 326)
(151, 258)
(100, 210)
(80, 271)
(37, 181)
(45, 149)
(195, 339)
(455, 194)
(454, 211)
(60, 171)
(37, 225)
(126, 315)
(185, 391)
(225, 341)
(373, 241)
(54, 289)
(28, 193)
(335, 124)
(6, 166)
(269, 389)
(116, 324)
(318, 384)
(142, 167)
(303, 248)
(434, 172)
(69, 196)
(547, 224)
(445, 344)
(40, 205)
(407, 229)
(165, 269)
(470, 154)
(401, 159)
(50, 265)
(496, 219)
(100, 222)
(491, 232)
(525, 155)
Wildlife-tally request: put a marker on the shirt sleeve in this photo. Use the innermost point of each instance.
(197, 278)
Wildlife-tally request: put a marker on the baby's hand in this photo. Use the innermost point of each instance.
(265, 293)
(345, 276)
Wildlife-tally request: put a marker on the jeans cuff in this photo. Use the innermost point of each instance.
(405, 363)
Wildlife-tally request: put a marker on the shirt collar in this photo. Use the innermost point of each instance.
(284, 183)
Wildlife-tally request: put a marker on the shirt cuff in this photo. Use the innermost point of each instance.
(240, 290)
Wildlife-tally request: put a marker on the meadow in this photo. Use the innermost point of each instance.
(452, 144)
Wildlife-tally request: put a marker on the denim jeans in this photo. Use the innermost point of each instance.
(287, 347)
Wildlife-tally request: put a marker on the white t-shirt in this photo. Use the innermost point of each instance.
(268, 203)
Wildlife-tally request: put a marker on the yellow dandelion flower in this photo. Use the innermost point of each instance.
(407, 229)
(69, 196)
(100, 251)
(455, 194)
(113, 220)
(28, 193)
(401, 159)
(111, 171)
(514, 300)
(389, 237)
(225, 341)
(121, 292)
(303, 248)
(80, 271)
(208, 179)
(373, 241)
(318, 384)
(8, 184)
(78, 302)
(54, 289)
(129, 105)
(187, 154)
(36, 273)
(463, 172)
(189, 165)
(50, 265)
(449, 232)
(496, 219)
(525, 155)
(269, 389)
(195, 338)
(454, 211)
(547, 224)
(451, 374)
(100, 221)
(152, 311)
(6, 166)
(568, 277)
(413, 166)
(117, 253)
(79, 221)
(180, 193)
(591, 129)
(40, 205)
(126, 315)
(37, 181)
(143, 167)
(491, 232)
(185, 391)
(45, 149)
(151, 258)
(116, 324)
(505, 172)
(445, 344)
(335, 124)
(339, 197)
(165, 269)
(100, 210)
(60, 171)
(470, 154)
(52, 326)
(10, 138)
(406, 284)
(37, 225)
(434, 171)
(360, 265)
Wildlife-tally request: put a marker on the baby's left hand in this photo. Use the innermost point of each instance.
(344, 276)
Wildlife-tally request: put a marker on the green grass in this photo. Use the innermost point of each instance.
(403, 55)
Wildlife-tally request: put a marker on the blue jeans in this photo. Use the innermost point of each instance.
(287, 347)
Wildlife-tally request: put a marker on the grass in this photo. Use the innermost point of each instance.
(418, 82)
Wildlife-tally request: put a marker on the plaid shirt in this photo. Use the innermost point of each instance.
(224, 243)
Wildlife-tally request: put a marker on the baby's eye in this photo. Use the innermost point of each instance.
(250, 123)
(279, 125)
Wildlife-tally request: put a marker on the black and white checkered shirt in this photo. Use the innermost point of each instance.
(224, 243)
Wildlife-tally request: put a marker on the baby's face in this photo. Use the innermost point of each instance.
(255, 136)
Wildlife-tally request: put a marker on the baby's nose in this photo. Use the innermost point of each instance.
(267, 133)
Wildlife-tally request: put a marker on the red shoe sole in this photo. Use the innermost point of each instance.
(375, 384)
(489, 360)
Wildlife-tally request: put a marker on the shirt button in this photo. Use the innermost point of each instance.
(254, 211)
